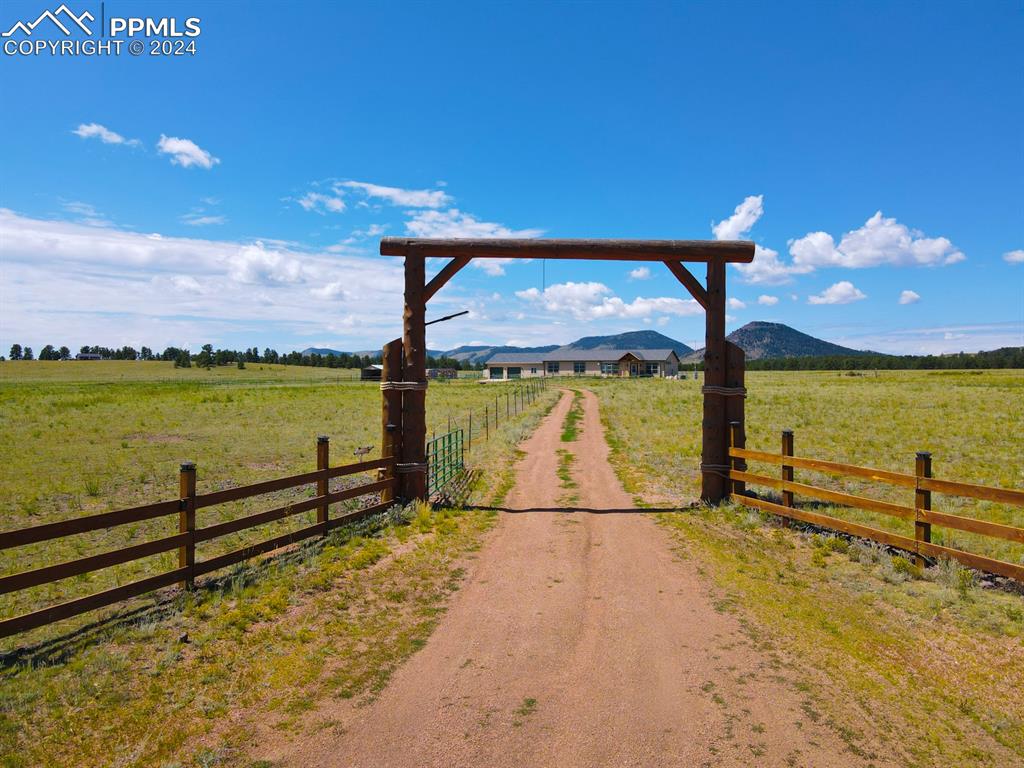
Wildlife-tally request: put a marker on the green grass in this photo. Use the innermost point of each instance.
(267, 647)
(571, 425)
(971, 422)
(923, 664)
(83, 438)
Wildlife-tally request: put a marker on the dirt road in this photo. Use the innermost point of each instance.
(581, 639)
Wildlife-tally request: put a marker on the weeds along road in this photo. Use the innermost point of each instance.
(579, 639)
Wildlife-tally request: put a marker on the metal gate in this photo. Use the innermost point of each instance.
(445, 461)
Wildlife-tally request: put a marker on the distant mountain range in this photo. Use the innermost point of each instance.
(759, 340)
(762, 341)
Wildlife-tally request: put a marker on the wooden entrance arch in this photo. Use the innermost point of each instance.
(404, 376)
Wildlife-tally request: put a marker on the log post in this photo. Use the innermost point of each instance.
(412, 478)
(714, 456)
(736, 440)
(187, 521)
(922, 500)
(735, 374)
(323, 461)
(391, 412)
(787, 470)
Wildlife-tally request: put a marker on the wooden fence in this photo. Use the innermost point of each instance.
(188, 536)
(921, 513)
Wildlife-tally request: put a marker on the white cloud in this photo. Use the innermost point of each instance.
(640, 273)
(768, 269)
(321, 203)
(82, 284)
(1014, 257)
(593, 301)
(843, 292)
(410, 198)
(455, 223)
(742, 220)
(880, 241)
(909, 297)
(202, 220)
(335, 290)
(185, 152)
(87, 214)
(767, 301)
(104, 134)
(735, 303)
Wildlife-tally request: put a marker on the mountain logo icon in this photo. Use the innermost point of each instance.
(62, 17)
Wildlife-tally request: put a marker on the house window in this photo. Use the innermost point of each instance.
(651, 369)
(533, 370)
(579, 368)
(611, 369)
(515, 373)
(552, 367)
(497, 373)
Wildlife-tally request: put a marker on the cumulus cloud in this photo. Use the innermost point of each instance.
(767, 301)
(744, 217)
(909, 297)
(104, 134)
(89, 284)
(409, 198)
(1014, 257)
(843, 292)
(880, 241)
(455, 223)
(594, 301)
(185, 152)
(640, 273)
(321, 203)
(735, 303)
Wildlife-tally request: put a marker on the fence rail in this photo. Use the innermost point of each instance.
(189, 535)
(445, 460)
(920, 513)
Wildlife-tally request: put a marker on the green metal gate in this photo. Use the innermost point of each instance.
(445, 461)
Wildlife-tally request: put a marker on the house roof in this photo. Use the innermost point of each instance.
(606, 355)
(516, 358)
(568, 355)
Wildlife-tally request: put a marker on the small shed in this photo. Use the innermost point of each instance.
(371, 373)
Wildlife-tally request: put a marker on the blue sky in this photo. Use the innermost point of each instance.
(237, 196)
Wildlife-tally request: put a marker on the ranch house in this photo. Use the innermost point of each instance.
(584, 362)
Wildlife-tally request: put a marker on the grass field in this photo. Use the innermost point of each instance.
(971, 422)
(81, 438)
(923, 664)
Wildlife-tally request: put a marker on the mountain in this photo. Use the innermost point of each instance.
(481, 354)
(321, 351)
(762, 341)
(631, 340)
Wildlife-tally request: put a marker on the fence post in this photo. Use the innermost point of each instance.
(922, 500)
(495, 412)
(487, 423)
(787, 470)
(187, 521)
(736, 440)
(470, 433)
(506, 405)
(323, 461)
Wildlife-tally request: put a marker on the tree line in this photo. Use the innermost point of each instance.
(1006, 357)
(208, 357)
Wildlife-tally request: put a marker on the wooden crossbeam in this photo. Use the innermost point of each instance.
(740, 251)
(685, 276)
(447, 273)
